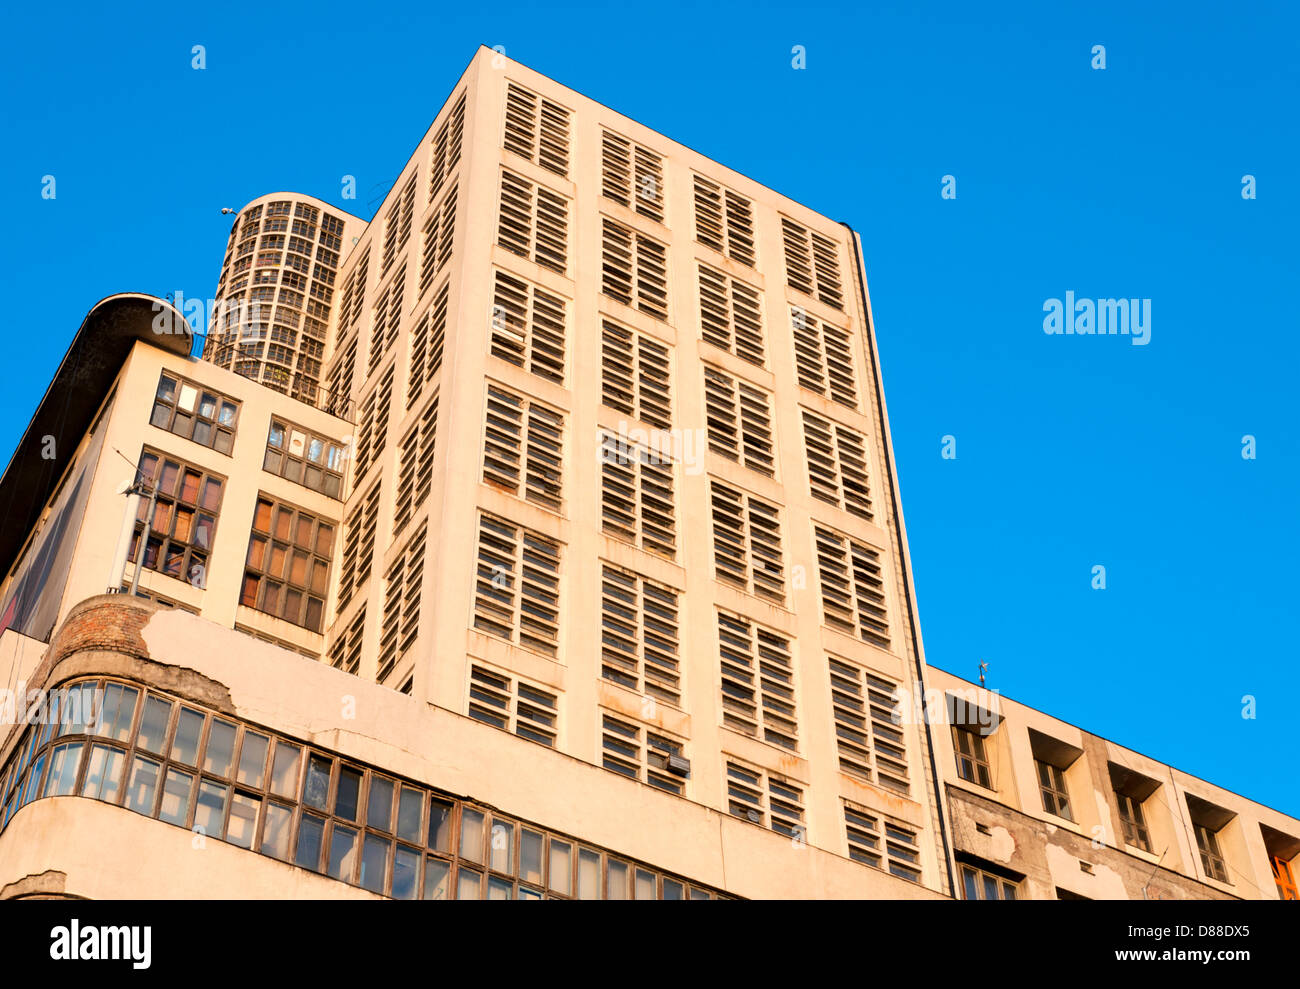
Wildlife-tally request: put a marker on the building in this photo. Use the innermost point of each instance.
(541, 538)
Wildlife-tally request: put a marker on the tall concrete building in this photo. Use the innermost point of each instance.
(538, 538)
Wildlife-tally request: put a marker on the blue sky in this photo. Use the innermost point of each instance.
(1072, 451)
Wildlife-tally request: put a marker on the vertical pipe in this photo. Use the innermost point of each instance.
(118, 570)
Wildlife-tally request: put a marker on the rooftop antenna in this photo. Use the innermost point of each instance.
(984, 668)
(226, 210)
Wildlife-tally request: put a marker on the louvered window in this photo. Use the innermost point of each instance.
(632, 175)
(512, 705)
(731, 315)
(884, 844)
(537, 129)
(757, 681)
(824, 358)
(388, 319)
(868, 715)
(765, 799)
(408, 213)
(812, 264)
(340, 380)
(401, 605)
(724, 221)
(635, 269)
(439, 232)
(528, 327)
(747, 543)
(446, 148)
(853, 587)
(740, 421)
(390, 237)
(426, 346)
(517, 588)
(346, 654)
(416, 472)
(640, 754)
(837, 465)
(523, 446)
(372, 436)
(637, 496)
(634, 375)
(534, 222)
(639, 633)
(358, 546)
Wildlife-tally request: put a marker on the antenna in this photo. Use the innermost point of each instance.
(984, 668)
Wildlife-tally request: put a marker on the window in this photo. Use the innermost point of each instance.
(739, 421)
(402, 585)
(372, 436)
(823, 358)
(639, 634)
(731, 315)
(853, 587)
(517, 594)
(1207, 842)
(747, 543)
(980, 885)
(641, 754)
(512, 705)
(416, 473)
(439, 233)
(765, 799)
(304, 457)
(537, 129)
(812, 264)
(972, 763)
(286, 573)
(447, 141)
(868, 714)
(724, 221)
(635, 269)
(346, 653)
(387, 319)
(634, 375)
(882, 843)
(1133, 822)
(534, 222)
(632, 176)
(837, 465)
(757, 681)
(340, 380)
(194, 412)
(523, 444)
(1051, 784)
(354, 294)
(358, 545)
(528, 327)
(426, 347)
(636, 496)
(1283, 878)
(184, 519)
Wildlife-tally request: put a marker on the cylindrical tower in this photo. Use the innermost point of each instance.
(275, 293)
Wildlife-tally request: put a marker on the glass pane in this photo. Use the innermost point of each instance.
(153, 725)
(210, 808)
(468, 884)
(349, 794)
(243, 820)
(189, 395)
(284, 775)
(118, 711)
(252, 759)
(503, 847)
(374, 863)
(561, 872)
(34, 780)
(500, 889)
(275, 832)
(440, 825)
(221, 748)
(645, 885)
(379, 805)
(311, 836)
(970, 883)
(343, 852)
(176, 797)
(185, 746)
(700, 894)
(990, 888)
(64, 762)
(471, 835)
(103, 774)
(530, 856)
(406, 873)
(618, 877)
(143, 786)
(166, 388)
(78, 709)
(410, 807)
(315, 788)
(673, 890)
(436, 873)
(588, 874)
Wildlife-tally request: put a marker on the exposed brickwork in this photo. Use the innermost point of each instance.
(108, 623)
